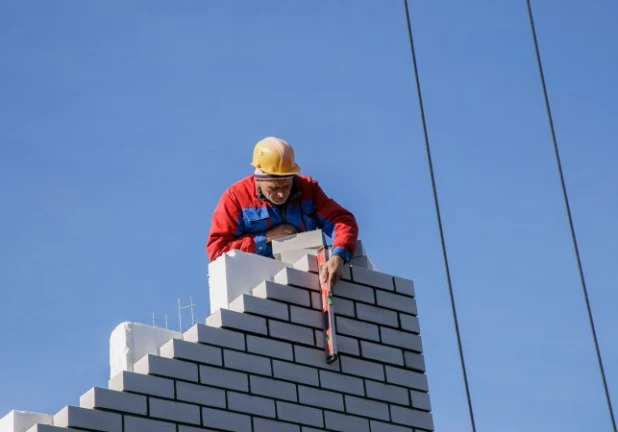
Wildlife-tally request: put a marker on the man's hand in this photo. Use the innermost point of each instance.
(279, 231)
(331, 271)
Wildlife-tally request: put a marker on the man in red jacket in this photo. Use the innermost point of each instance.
(275, 201)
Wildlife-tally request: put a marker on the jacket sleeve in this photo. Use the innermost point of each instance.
(337, 222)
(225, 233)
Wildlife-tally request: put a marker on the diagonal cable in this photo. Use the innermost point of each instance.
(435, 196)
(568, 210)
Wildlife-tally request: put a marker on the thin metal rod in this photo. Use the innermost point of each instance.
(568, 211)
(435, 196)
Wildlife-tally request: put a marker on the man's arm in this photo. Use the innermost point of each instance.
(225, 233)
(337, 222)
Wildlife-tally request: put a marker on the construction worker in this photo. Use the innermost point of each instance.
(274, 202)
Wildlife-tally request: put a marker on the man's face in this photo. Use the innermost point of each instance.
(277, 191)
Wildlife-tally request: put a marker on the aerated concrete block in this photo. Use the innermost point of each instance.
(282, 293)
(345, 422)
(224, 378)
(226, 420)
(21, 421)
(139, 424)
(130, 341)
(225, 318)
(182, 350)
(83, 418)
(404, 286)
(270, 348)
(100, 398)
(260, 306)
(40, 428)
(174, 411)
(420, 400)
(305, 240)
(300, 414)
(412, 417)
(298, 278)
(226, 338)
(200, 394)
(247, 362)
(373, 278)
(165, 367)
(144, 384)
(235, 273)
(249, 404)
(273, 388)
(367, 408)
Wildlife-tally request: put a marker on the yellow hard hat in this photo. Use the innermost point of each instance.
(274, 156)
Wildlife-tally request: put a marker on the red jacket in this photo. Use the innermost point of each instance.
(243, 216)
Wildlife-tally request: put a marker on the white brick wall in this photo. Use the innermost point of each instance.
(259, 366)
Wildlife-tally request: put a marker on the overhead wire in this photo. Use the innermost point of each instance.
(568, 211)
(435, 196)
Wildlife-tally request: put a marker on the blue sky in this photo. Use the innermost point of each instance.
(122, 123)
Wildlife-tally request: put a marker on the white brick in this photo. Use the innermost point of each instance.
(369, 277)
(367, 408)
(387, 393)
(300, 414)
(226, 420)
(354, 291)
(381, 353)
(404, 286)
(182, 350)
(138, 424)
(320, 398)
(408, 378)
(248, 404)
(306, 317)
(270, 347)
(420, 400)
(200, 394)
(294, 277)
(314, 357)
(224, 378)
(265, 425)
(201, 333)
(291, 332)
(247, 362)
(308, 263)
(345, 423)
(21, 421)
(100, 398)
(46, 428)
(229, 319)
(397, 302)
(409, 323)
(401, 339)
(165, 367)
(412, 417)
(377, 315)
(83, 418)
(340, 306)
(283, 293)
(260, 306)
(378, 426)
(174, 411)
(273, 388)
(295, 373)
(355, 328)
(362, 368)
(345, 344)
(144, 384)
(313, 239)
(414, 361)
(341, 383)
